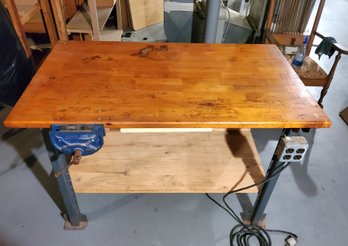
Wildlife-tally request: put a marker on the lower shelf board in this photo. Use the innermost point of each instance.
(196, 162)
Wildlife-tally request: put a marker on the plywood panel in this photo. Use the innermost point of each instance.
(170, 162)
(135, 85)
(35, 24)
(26, 12)
(145, 13)
(70, 8)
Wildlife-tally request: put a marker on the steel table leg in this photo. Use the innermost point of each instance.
(74, 219)
(265, 193)
(267, 188)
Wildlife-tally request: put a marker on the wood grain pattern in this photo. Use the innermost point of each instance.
(27, 11)
(288, 39)
(59, 19)
(49, 21)
(140, 85)
(35, 24)
(145, 13)
(70, 8)
(105, 3)
(17, 24)
(170, 162)
(82, 21)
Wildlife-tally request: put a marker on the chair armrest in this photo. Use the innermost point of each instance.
(339, 48)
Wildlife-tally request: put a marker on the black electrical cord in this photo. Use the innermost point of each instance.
(242, 234)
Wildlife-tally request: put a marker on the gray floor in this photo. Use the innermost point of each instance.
(311, 198)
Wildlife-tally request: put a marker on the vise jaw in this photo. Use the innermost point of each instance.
(86, 139)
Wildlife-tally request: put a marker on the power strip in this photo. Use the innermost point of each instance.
(292, 149)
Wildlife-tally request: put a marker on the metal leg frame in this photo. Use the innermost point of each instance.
(265, 194)
(267, 189)
(74, 219)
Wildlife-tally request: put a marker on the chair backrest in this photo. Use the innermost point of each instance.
(289, 15)
(292, 17)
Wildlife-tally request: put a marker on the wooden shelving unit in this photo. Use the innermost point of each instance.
(91, 20)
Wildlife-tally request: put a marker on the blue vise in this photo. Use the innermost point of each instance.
(86, 139)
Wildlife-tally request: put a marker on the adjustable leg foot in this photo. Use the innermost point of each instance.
(261, 222)
(81, 226)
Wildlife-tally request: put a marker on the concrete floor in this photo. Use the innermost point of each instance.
(310, 199)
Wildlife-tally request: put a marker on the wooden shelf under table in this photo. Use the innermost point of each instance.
(195, 162)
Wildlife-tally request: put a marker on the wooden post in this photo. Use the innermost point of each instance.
(94, 19)
(47, 15)
(119, 15)
(60, 20)
(315, 26)
(16, 21)
(270, 15)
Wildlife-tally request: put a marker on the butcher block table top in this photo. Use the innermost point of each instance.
(166, 85)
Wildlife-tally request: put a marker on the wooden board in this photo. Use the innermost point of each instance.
(70, 8)
(59, 18)
(35, 24)
(17, 24)
(49, 21)
(119, 15)
(111, 35)
(80, 22)
(145, 13)
(141, 85)
(170, 162)
(26, 12)
(24, 2)
(105, 3)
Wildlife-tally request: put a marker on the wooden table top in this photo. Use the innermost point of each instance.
(166, 85)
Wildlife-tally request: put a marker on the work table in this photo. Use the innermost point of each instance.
(192, 106)
(166, 85)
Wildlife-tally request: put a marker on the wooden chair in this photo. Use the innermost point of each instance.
(285, 27)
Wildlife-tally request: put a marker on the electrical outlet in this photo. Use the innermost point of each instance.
(292, 149)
